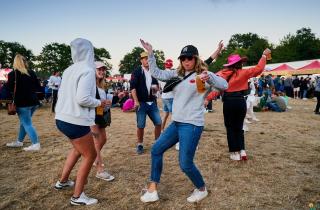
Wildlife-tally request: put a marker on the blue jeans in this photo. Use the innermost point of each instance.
(167, 104)
(188, 135)
(274, 107)
(26, 127)
(151, 110)
(304, 93)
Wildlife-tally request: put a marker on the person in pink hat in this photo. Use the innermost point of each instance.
(234, 103)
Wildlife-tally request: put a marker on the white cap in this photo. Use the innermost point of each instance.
(99, 64)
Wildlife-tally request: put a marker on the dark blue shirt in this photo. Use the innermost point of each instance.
(138, 82)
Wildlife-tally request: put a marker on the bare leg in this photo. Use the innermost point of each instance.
(166, 115)
(157, 131)
(152, 187)
(99, 138)
(140, 133)
(72, 159)
(86, 148)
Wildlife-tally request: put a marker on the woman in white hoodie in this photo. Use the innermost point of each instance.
(75, 113)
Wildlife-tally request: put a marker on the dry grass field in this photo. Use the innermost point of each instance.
(282, 171)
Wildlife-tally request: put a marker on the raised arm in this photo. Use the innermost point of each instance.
(153, 68)
(215, 54)
(258, 69)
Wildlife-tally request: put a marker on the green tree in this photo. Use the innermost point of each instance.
(304, 45)
(8, 50)
(53, 57)
(249, 45)
(57, 57)
(131, 60)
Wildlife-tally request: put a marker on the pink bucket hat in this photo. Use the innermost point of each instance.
(232, 59)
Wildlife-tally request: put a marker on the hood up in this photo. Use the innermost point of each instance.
(82, 51)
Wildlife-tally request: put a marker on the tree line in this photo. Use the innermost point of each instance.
(302, 45)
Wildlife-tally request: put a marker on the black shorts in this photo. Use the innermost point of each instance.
(72, 131)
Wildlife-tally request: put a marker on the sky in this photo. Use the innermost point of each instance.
(168, 25)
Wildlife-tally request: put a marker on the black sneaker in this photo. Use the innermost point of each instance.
(140, 149)
(62, 185)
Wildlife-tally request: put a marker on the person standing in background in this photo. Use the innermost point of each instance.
(54, 84)
(142, 86)
(26, 100)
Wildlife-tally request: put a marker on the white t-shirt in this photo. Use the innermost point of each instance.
(148, 80)
(167, 95)
(54, 82)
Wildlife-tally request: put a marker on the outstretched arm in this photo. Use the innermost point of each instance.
(153, 68)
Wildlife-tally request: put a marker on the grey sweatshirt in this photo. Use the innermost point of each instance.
(188, 104)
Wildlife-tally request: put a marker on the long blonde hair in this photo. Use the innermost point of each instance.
(199, 67)
(101, 83)
(20, 63)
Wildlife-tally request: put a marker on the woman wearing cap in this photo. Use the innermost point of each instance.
(187, 119)
(234, 103)
(75, 113)
(99, 129)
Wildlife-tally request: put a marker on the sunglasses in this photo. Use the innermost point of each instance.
(189, 58)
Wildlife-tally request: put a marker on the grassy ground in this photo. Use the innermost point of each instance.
(282, 171)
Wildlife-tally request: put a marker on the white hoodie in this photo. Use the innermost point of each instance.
(76, 97)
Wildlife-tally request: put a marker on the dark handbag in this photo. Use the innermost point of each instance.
(171, 83)
(12, 109)
(102, 120)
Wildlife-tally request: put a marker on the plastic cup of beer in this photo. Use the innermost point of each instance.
(99, 110)
(269, 57)
(201, 87)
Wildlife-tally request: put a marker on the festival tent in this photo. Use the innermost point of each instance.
(4, 74)
(312, 68)
(283, 69)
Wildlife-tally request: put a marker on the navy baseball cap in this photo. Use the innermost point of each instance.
(188, 50)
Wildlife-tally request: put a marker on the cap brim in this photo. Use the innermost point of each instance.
(185, 54)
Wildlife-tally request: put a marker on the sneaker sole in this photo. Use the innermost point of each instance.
(148, 201)
(108, 180)
(81, 203)
(197, 201)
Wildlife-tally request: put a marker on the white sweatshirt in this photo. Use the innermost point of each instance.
(188, 104)
(77, 94)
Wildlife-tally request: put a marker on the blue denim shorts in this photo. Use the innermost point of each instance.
(72, 131)
(151, 110)
(167, 104)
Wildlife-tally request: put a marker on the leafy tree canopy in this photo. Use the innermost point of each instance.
(131, 60)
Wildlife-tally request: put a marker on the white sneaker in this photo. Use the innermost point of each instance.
(105, 176)
(177, 146)
(83, 200)
(15, 144)
(235, 156)
(32, 147)
(148, 197)
(243, 155)
(197, 195)
(247, 121)
(255, 119)
(63, 185)
(245, 128)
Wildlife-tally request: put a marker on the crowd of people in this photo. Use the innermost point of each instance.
(82, 104)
